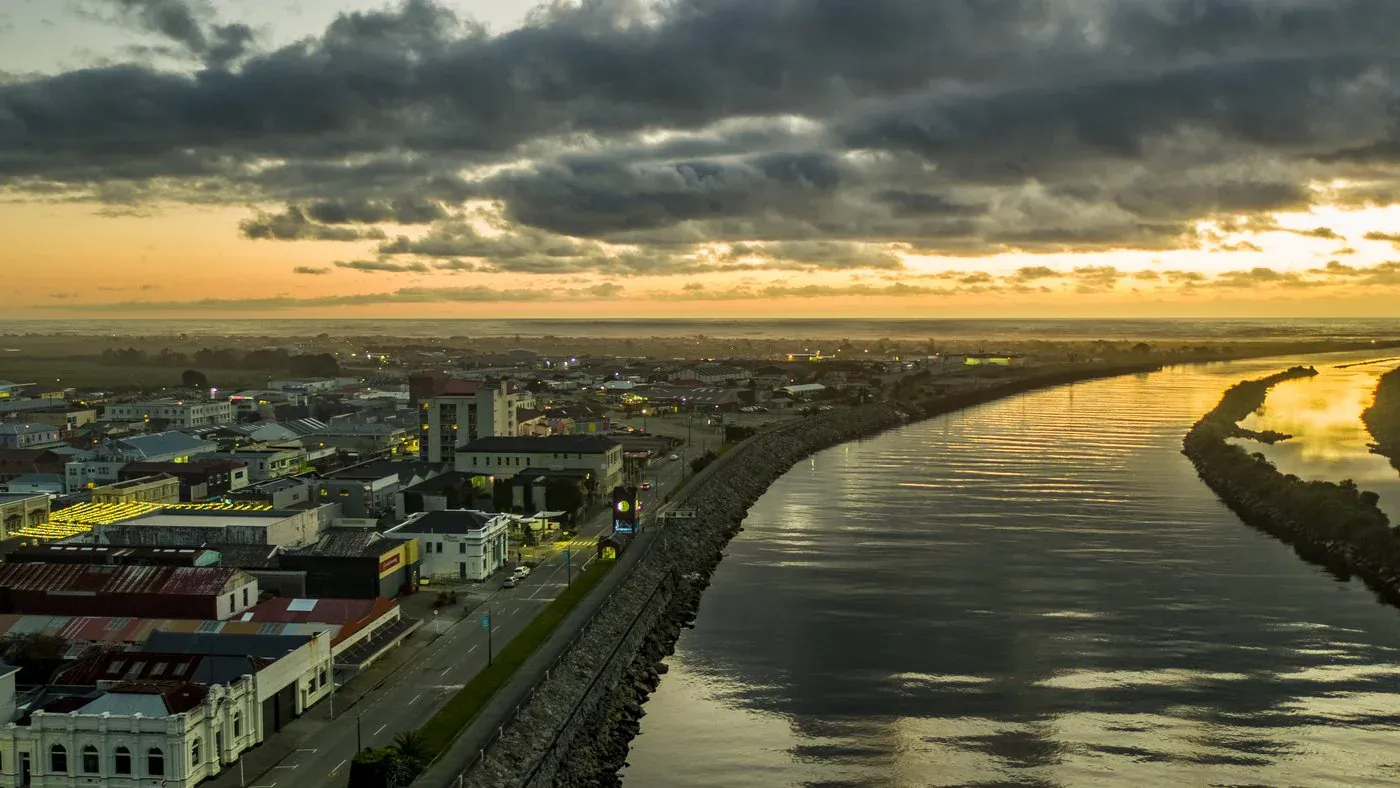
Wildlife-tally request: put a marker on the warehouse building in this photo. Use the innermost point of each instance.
(86, 589)
(356, 563)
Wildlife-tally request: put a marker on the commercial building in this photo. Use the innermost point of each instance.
(66, 419)
(504, 457)
(21, 510)
(269, 462)
(714, 374)
(35, 483)
(96, 590)
(103, 465)
(294, 671)
(173, 413)
(199, 480)
(112, 555)
(28, 435)
(284, 493)
(196, 527)
(464, 411)
(126, 733)
(356, 563)
(362, 630)
(368, 489)
(157, 488)
(461, 544)
(568, 490)
(451, 490)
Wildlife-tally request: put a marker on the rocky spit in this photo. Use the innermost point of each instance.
(576, 728)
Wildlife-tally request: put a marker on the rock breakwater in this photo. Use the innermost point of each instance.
(1335, 525)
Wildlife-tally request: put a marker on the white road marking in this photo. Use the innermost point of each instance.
(381, 729)
(415, 699)
(337, 768)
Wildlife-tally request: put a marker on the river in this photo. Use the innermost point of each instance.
(1035, 592)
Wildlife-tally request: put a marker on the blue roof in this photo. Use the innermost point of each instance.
(160, 444)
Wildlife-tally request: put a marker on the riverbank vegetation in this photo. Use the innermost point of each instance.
(1336, 524)
(1383, 417)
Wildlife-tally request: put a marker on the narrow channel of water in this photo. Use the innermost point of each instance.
(1038, 591)
(1330, 442)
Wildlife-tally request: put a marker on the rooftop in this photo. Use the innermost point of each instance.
(454, 521)
(220, 644)
(351, 543)
(102, 579)
(579, 444)
(159, 444)
(21, 428)
(379, 469)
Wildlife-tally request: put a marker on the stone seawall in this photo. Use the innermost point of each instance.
(578, 724)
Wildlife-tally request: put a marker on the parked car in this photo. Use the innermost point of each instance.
(521, 572)
(511, 582)
(675, 456)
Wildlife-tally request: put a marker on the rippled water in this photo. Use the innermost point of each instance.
(1034, 592)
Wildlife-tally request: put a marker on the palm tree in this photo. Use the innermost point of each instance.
(411, 745)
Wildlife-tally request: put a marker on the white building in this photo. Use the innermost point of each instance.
(461, 544)
(166, 718)
(178, 413)
(103, 465)
(170, 735)
(714, 374)
(25, 435)
(472, 410)
(504, 457)
(269, 462)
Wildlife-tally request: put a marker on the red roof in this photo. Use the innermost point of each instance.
(351, 614)
(179, 697)
(102, 579)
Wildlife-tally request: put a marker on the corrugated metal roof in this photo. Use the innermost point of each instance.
(127, 704)
(159, 444)
(101, 579)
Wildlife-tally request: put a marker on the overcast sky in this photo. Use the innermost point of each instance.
(700, 157)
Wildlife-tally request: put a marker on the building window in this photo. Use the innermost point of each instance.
(194, 752)
(237, 724)
(58, 759)
(323, 677)
(245, 597)
(232, 601)
(91, 761)
(155, 762)
(439, 547)
(121, 761)
(461, 547)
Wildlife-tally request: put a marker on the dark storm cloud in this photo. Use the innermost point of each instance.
(383, 266)
(293, 225)
(177, 20)
(404, 211)
(964, 127)
(311, 270)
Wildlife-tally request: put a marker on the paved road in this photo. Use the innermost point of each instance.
(422, 687)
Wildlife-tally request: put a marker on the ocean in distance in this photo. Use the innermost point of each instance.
(1033, 592)
(811, 328)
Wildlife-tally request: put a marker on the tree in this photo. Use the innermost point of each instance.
(194, 379)
(563, 495)
(411, 744)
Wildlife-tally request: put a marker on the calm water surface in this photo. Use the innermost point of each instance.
(1035, 592)
(1330, 441)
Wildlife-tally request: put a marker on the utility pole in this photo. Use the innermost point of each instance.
(359, 733)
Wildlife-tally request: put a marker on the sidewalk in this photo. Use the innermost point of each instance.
(259, 762)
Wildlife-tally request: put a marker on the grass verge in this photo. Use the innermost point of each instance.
(445, 726)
